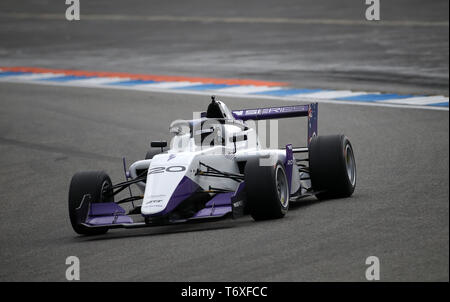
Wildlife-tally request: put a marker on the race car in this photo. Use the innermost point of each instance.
(216, 167)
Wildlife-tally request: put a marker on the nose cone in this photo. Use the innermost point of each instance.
(169, 182)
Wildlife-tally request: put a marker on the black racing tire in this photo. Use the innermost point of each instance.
(267, 190)
(152, 152)
(332, 166)
(93, 183)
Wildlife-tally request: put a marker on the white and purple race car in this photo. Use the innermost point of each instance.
(215, 167)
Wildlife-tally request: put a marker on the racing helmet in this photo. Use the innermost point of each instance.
(218, 110)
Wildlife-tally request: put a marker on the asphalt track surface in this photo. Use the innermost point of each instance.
(336, 48)
(400, 209)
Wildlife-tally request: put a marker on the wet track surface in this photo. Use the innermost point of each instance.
(400, 209)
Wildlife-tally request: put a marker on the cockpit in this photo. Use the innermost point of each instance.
(216, 127)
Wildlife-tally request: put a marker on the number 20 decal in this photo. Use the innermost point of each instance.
(156, 170)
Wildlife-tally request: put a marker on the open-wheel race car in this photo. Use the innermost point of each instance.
(214, 168)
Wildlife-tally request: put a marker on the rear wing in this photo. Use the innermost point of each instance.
(310, 110)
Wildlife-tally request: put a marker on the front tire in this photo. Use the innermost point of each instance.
(94, 183)
(332, 166)
(267, 190)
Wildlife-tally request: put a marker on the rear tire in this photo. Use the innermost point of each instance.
(93, 183)
(332, 166)
(267, 190)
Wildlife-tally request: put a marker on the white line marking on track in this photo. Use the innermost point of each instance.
(419, 100)
(247, 89)
(166, 85)
(298, 99)
(31, 76)
(97, 81)
(239, 20)
(330, 94)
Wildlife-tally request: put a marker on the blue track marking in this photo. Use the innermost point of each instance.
(444, 104)
(205, 87)
(132, 82)
(64, 78)
(12, 73)
(286, 92)
(373, 97)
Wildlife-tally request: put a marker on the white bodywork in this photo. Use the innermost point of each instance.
(161, 185)
(167, 170)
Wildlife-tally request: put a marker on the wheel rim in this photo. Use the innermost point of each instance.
(282, 186)
(350, 164)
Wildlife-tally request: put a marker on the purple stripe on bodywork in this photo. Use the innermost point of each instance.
(108, 220)
(105, 208)
(312, 121)
(220, 204)
(213, 212)
(107, 213)
(239, 189)
(271, 112)
(288, 164)
(185, 189)
(220, 199)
